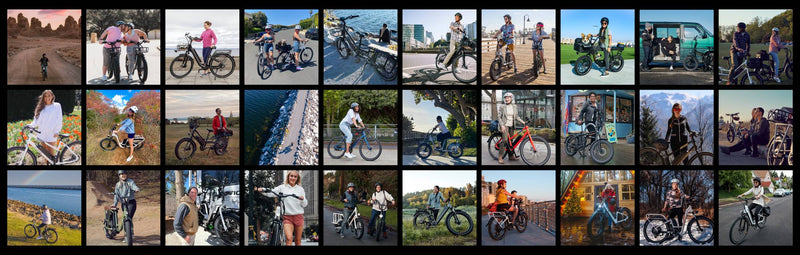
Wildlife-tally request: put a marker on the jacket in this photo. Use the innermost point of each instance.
(759, 129)
(647, 41)
(186, 219)
(503, 118)
(589, 113)
(678, 129)
(669, 46)
(352, 199)
(125, 189)
(293, 205)
(383, 197)
(434, 198)
(218, 124)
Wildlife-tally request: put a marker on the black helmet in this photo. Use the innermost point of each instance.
(741, 25)
(757, 179)
(604, 19)
(378, 184)
(44, 206)
(507, 15)
(122, 172)
(459, 15)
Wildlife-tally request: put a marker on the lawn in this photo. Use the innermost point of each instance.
(725, 196)
(754, 48)
(175, 133)
(366, 211)
(439, 235)
(568, 54)
(16, 236)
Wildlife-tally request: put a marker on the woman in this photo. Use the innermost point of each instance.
(670, 49)
(128, 127)
(435, 200)
(610, 197)
(758, 195)
(46, 220)
(48, 119)
(124, 191)
(209, 40)
(379, 197)
(775, 46)
(536, 45)
(503, 201)
(350, 199)
(268, 38)
(678, 132)
(506, 116)
(293, 216)
(296, 46)
(674, 201)
(111, 34)
(351, 118)
(131, 36)
(604, 40)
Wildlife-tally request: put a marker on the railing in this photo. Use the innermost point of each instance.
(543, 215)
(384, 132)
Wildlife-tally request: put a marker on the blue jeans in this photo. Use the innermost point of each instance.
(776, 61)
(374, 218)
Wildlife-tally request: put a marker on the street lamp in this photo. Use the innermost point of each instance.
(525, 20)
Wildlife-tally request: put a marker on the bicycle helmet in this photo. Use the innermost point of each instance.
(539, 24)
(378, 184)
(757, 179)
(350, 185)
(44, 206)
(268, 26)
(507, 16)
(501, 181)
(775, 29)
(353, 105)
(741, 25)
(674, 180)
(508, 94)
(134, 109)
(122, 172)
(120, 23)
(604, 19)
(130, 24)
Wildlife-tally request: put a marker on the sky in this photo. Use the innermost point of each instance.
(424, 113)
(185, 103)
(416, 180)
(55, 17)
(732, 17)
(119, 98)
(438, 21)
(694, 93)
(493, 19)
(284, 17)
(42, 177)
(743, 101)
(537, 185)
(575, 22)
(704, 17)
(225, 24)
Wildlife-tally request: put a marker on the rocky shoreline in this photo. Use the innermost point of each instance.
(308, 143)
(270, 150)
(34, 211)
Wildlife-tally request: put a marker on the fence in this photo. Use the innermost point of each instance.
(543, 215)
(384, 132)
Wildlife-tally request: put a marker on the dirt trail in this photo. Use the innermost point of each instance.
(147, 229)
(24, 67)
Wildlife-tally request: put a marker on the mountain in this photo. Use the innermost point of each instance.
(693, 109)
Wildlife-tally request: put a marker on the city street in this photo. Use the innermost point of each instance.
(308, 76)
(419, 69)
(533, 235)
(623, 77)
(779, 224)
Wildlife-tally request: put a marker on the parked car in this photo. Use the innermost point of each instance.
(683, 33)
(312, 34)
(779, 193)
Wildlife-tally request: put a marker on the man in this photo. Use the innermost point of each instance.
(220, 127)
(647, 46)
(185, 223)
(456, 32)
(43, 62)
(385, 35)
(380, 197)
(434, 200)
(739, 49)
(124, 192)
(507, 29)
(589, 114)
(46, 220)
(758, 134)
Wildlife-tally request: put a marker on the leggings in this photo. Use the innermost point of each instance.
(206, 54)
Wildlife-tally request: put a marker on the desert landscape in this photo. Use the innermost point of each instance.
(28, 40)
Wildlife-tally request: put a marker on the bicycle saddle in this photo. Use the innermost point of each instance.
(213, 47)
(110, 208)
(62, 136)
(210, 130)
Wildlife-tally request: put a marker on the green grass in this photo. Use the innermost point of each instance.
(436, 236)
(754, 48)
(470, 152)
(175, 133)
(366, 211)
(725, 196)
(568, 54)
(16, 236)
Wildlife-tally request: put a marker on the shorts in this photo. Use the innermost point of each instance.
(294, 220)
(503, 207)
(296, 46)
(510, 45)
(269, 47)
(537, 47)
(131, 135)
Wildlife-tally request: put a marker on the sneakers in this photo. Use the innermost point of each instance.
(778, 80)
(299, 68)
(39, 238)
(129, 158)
(670, 68)
(130, 77)
(349, 155)
(105, 77)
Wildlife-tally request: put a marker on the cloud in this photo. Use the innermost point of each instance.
(119, 102)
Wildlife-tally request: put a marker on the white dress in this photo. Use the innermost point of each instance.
(49, 122)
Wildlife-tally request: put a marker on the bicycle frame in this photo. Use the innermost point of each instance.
(30, 145)
(196, 57)
(603, 209)
(782, 135)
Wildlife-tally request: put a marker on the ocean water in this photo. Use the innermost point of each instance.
(261, 108)
(64, 200)
(370, 20)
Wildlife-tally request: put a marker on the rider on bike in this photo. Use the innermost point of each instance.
(507, 29)
(775, 46)
(444, 132)
(43, 62)
(46, 220)
(536, 43)
(739, 49)
(590, 114)
(678, 132)
(125, 189)
(296, 46)
(507, 116)
(131, 36)
(186, 217)
(674, 201)
(127, 126)
(351, 118)
(503, 201)
(111, 34)
(380, 197)
(456, 32)
(350, 199)
(220, 126)
(434, 202)
(604, 43)
(758, 196)
(268, 38)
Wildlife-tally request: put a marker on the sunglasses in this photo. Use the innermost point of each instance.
(604, 23)
(676, 109)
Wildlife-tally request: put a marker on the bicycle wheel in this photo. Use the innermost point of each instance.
(336, 147)
(455, 150)
(358, 228)
(306, 55)
(571, 145)
(387, 70)
(141, 69)
(602, 151)
(138, 147)
(708, 61)
(181, 66)
(128, 231)
(459, 223)
(494, 69)
(690, 63)
(494, 229)
(30, 230)
(616, 63)
(421, 220)
(521, 223)
(702, 159)
(628, 216)
(753, 79)
(655, 230)
(222, 65)
(731, 135)
(739, 230)
(465, 68)
(283, 60)
(341, 47)
(537, 64)
(535, 154)
(72, 153)
(230, 233)
(379, 229)
(372, 150)
(185, 149)
(50, 235)
(493, 146)
(582, 65)
(219, 146)
(597, 223)
(649, 156)
(762, 223)
(18, 156)
(701, 230)
(424, 151)
(775, 153)
(788, 70)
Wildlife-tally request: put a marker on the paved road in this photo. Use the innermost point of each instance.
(290, 140)
(24, 66)
(350, 71)
(435, 160)
(738, 158)
(308, 76)
(94, 65)
(388, 157)
(779, 224)
(420, 69)
(623, 155)
(623, 77)
(663, 76)
(524, 57)
(487, 159)
(533, 235)
(332, 238)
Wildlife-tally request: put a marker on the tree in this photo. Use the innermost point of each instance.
(703, 122)
(408, 124)
(459, 103)
(146, 19)
(649, 130)
(178, 184)
(573, 205)
(733, 179)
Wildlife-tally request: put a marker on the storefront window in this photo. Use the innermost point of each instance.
(624, 109)
(627, 192)
(587, 194)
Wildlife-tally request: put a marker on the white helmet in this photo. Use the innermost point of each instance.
(675, 180)
(297, 27)
(508, 94)
(134, 109)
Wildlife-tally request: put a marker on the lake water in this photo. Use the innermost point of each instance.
(261, 107)
(370, 20)
(68, 201)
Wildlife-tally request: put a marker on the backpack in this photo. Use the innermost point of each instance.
(493, 126)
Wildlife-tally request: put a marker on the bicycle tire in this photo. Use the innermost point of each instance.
(521, 223)
(219, 146)
(537, 64)
(379, 230)
(333, 144)
(627, 224)
(616, 63)
(731, 134)
(141, 69)
(741, 227)
(493, 144)
(788, 70)
(756, 79)
(276, 233)
(773, 159)
(30, 230)
(658, 233)
(306, 55)
(50, 236)
(424, 151)
(183, 61)
(77, 151)
(455, 150)
(139, 147)
(451, 226)
(533, 161)
(467, 66)
(231, 236)
(582, 65)
(494, 70)
(128, 231)
(341, 47)
(499, 232)
(358, 229)
(571, 145)
(190, 147)
(439, 60)
(703, 227)
(690, 63)
(389, 68)
(596, 149)
(27, 159)
(376, 146)
(762, 224)
(421, 219)
(596, 225)
(283, 60)
(221, 62)
(708, 61)
(649, 156)
(702, 159)
(115, 68)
